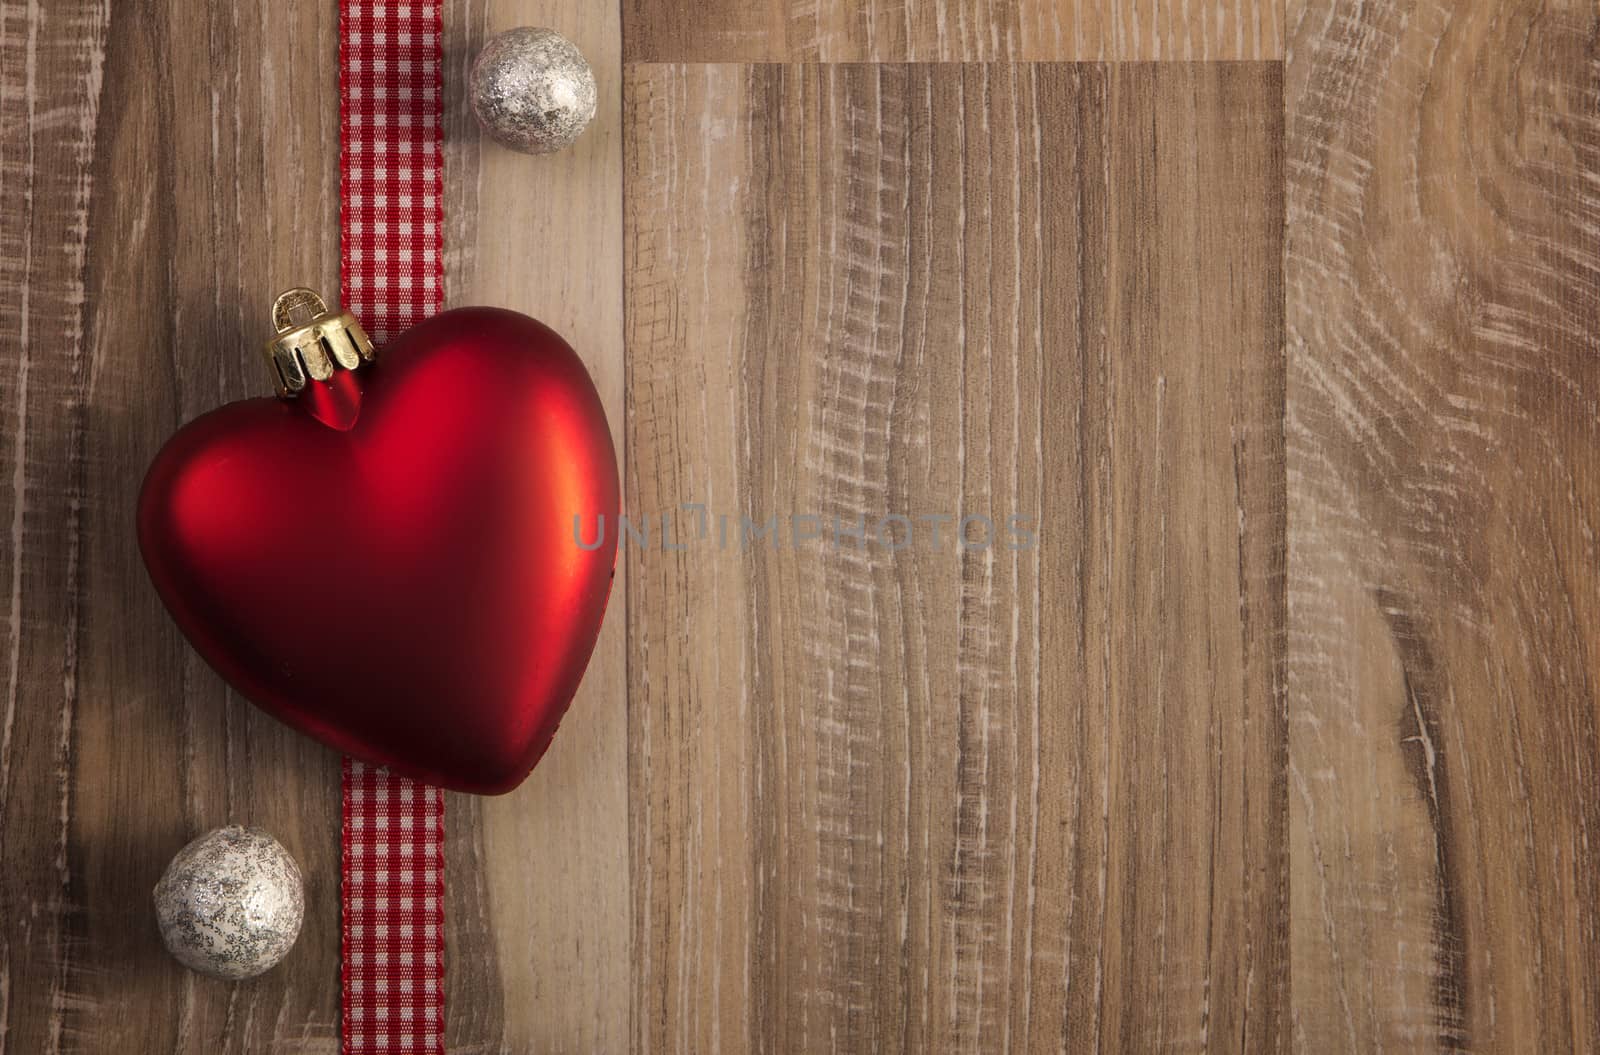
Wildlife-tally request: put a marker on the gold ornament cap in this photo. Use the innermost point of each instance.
(312, 342)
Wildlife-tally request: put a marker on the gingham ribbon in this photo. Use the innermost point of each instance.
(391, 181)
(391, 194)
(393, 902)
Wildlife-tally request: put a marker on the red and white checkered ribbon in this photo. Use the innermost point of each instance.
(393, 893)
(391, 181)
(392, 200)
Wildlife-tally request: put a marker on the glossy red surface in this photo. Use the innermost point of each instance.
(388, 562)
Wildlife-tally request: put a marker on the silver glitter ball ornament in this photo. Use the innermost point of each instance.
(230, 903)
(532, 90)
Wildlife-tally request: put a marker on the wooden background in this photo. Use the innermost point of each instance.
(1278, 321)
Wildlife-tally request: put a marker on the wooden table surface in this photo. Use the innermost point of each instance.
(1277, 323)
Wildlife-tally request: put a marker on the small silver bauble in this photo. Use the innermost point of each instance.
(532, 90)
(230, 903)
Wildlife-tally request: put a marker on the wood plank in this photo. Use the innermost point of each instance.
(949, 30)
(148, 221)
(943, 798)
(541, 920)
(1443, 272)
(149, 215)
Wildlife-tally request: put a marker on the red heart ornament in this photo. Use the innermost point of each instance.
(401, 561)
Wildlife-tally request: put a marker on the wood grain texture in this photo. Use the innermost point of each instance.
(935, 798)
(164, 170)
(1443, 271)
(155, 189)
(950, 30)
(541, 959)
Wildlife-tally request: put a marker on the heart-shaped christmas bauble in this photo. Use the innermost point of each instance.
(410, 558)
